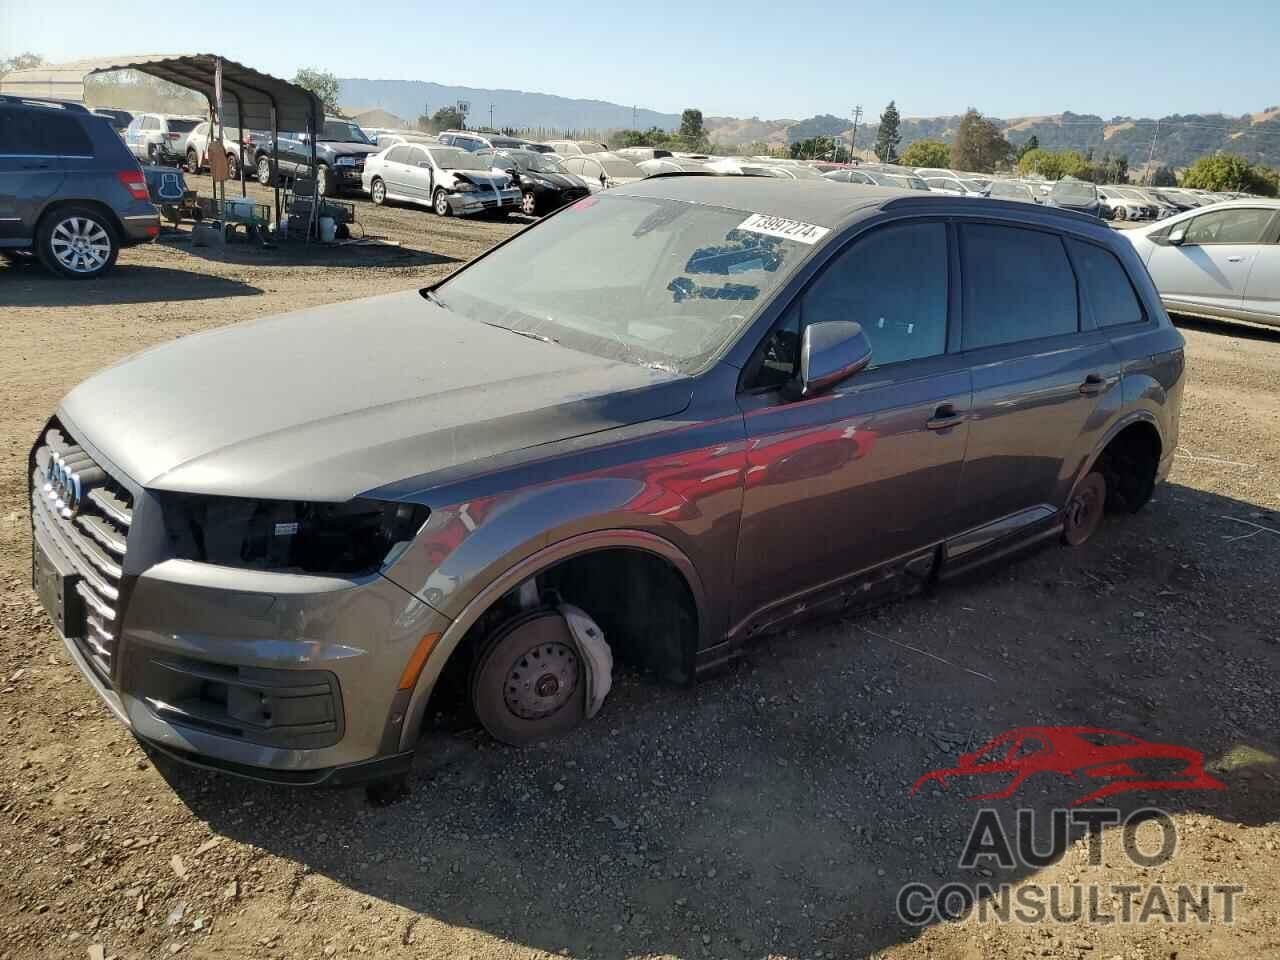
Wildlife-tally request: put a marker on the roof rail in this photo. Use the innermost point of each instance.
(1000, 205)
(43, 102)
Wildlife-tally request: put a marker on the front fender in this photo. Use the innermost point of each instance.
(510, 578)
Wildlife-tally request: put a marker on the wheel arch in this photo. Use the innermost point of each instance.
(552, 555)
(1137, 423)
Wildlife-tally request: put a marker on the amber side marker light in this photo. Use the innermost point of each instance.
(418, 660)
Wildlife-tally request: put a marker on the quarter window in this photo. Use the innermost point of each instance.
(1017, 285)
(1229, 226)
(1106, 286)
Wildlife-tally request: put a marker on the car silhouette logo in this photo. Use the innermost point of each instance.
(1090, 754)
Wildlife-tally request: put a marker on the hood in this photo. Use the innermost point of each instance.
(329, 402)
(347, 149)
(481, 178)
(565, 181)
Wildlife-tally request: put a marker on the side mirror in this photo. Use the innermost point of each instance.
(831, 352)
(1177, 236)
(425, 164)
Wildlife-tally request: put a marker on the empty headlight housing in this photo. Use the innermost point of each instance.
(462, 186)
(351, 538)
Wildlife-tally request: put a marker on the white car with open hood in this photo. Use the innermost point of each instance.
(448, 180)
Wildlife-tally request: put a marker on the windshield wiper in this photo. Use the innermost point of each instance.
(523, 333)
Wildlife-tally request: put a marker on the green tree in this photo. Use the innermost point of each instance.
(448, 118)
(320, 82)
(927, 153)
(1227, 171)
(1054, 165)
(819, 148)
(1031, 143)
(978, 145)
(1163, 177)
(21, 61)
(888, 137)
(691, 129)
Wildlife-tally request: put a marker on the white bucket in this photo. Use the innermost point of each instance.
(328, 229)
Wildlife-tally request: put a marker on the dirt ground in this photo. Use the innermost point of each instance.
(765, 813)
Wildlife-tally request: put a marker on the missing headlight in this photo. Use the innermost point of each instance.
(355, 537)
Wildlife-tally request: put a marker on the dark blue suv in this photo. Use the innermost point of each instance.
(70, 191)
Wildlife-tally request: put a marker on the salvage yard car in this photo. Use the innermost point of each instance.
(544, 183)
(70, 193)
(1221, 262)
(341, 150)
(693, 409)
(447, 179)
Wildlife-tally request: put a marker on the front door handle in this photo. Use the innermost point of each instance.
(36, 165)
(944, 417)
(1234, 259)
(1093, 384)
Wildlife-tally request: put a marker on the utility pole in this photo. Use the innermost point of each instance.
(853, 140)
(633, 117)
(491, 116)
(1152, 153)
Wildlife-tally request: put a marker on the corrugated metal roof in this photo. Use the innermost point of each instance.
(247, 98)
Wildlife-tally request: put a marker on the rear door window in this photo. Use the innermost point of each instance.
(1017, 285)
(42, 133)
(1106, 286)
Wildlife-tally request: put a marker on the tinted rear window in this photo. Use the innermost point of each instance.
(37, 132)
(1106, 286)
(185, 126)
(1018, 285)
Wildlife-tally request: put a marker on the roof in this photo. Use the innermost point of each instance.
(248, 94)
(813, 201)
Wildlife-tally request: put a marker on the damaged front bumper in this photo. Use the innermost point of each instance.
(280, 677)
(481, 199)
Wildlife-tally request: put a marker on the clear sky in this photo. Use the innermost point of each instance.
(762, 58)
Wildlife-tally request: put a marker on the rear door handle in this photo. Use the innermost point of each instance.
(1234, 259)
(36, 165)
(944, 417)
(1093, 384)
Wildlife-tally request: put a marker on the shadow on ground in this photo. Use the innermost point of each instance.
(295, 253)
(30, 285)
(768, 810)
(1227, 328)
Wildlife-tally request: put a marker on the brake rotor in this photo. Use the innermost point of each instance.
(542, 679)
(1085, 509)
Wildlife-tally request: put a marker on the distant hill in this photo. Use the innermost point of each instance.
(511, 108)
(1182, 137)
(1180, 140)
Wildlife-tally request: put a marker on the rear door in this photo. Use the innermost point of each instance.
(868, 472)
(1041, 376)
(1212, 264)
(31, 167)
(393, 170)
(1262, 289)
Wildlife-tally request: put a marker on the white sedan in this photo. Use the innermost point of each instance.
(448, 180)
(1221, 262)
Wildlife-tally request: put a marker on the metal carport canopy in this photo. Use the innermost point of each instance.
(248, 95)
(243, 88)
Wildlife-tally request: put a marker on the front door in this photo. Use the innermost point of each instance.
(31, 168)
(1039, 379)
(866, 473)
(417, 175)
(1262, 289)
(1212, 264)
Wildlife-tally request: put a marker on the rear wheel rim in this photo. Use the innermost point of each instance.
(80, 245)
(264, 171)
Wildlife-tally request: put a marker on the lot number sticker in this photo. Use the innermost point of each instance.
(797, 230)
